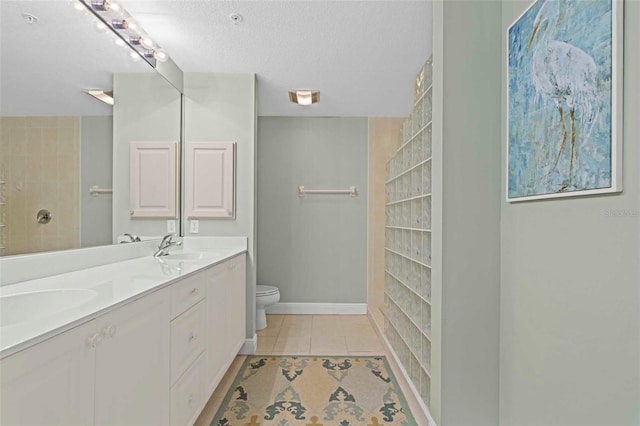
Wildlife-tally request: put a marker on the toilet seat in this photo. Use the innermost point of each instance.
(266, 290)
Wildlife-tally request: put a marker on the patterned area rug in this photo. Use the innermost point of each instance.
(314, 391)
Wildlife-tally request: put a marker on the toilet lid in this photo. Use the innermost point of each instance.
(266, 290)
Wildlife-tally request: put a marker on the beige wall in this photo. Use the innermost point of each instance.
(41, 161)
(384, 140)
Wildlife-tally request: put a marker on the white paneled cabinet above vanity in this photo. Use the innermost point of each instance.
(210, 180)
(154, 360)
(153, 179)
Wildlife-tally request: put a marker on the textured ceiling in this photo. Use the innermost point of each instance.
(361, 55)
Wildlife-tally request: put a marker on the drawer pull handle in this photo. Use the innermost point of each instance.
(94, 340)
(191, 399)
(193, 337)
(194, 291)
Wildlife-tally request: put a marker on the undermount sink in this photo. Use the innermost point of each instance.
(22, 307)
(193, 256)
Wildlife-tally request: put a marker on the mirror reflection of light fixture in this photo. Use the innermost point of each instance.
(105, 96)
(113, 16)
(304, 97)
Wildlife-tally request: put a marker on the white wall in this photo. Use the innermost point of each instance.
(313, 248)
(570, 280)
(466, 212)
(146, 108)
(96, 168)
(221, 107)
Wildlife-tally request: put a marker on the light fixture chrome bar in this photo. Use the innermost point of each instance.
(97, 6)
(351, 191)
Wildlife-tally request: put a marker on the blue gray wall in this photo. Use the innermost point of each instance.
(146, 108)
(313, 248)
(96, 151)
(221, 107)
(570, 306)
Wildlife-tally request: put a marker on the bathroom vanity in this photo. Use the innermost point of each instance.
(147, 345)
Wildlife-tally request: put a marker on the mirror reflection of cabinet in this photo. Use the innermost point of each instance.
(210, 180)
(153, 179)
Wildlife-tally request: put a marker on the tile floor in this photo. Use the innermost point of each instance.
(318, 335)
(311, 335)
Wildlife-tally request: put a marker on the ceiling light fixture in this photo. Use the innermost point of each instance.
(113, 16)
(105, 96)
(304, 97)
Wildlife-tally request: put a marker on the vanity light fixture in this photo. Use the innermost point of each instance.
(304, 97)
(105, 96)
(111, 15)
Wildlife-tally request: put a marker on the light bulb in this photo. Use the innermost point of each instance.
(114, 6)
(161, 55)
(100, 26)
(77, 5)
(119, 42)
(132, 24)
(147, 42)
(135, 56)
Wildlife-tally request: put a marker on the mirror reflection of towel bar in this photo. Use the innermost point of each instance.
(95, 190)
(351, 191)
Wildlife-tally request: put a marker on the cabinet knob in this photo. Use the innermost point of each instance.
(109, 331)
(194, 291)
(193, 337)
(94, 340)
(191, 398)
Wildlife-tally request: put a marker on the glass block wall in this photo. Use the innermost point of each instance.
(407, 298)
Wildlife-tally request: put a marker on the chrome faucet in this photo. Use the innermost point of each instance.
(166, 244)
(132, 239)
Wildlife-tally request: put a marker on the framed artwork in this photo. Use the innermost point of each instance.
(564, 100)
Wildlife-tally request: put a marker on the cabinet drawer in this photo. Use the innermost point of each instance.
(187, 395)
(187, 339)
(186, 293)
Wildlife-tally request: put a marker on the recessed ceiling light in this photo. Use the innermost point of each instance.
(304, 97)
(105, 96)
(236, 18)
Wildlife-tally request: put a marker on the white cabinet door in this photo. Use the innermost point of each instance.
(215, 325)
(132, 363)
(51, 383)
(210, 180)
(153, 179)
(236, 304)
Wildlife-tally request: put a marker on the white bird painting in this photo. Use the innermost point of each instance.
(558, 82)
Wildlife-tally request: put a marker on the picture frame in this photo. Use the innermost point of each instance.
(564, 100)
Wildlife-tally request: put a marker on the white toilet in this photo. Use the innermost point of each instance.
(266, 295)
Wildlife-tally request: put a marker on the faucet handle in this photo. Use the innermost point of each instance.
(132, 238)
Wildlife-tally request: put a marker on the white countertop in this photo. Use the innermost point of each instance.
(94, 291)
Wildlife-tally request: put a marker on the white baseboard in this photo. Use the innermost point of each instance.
(249, 346)
(318, 308)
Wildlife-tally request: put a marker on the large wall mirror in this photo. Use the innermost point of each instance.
(57, 142)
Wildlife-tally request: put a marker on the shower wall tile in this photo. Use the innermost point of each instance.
(41, 161)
